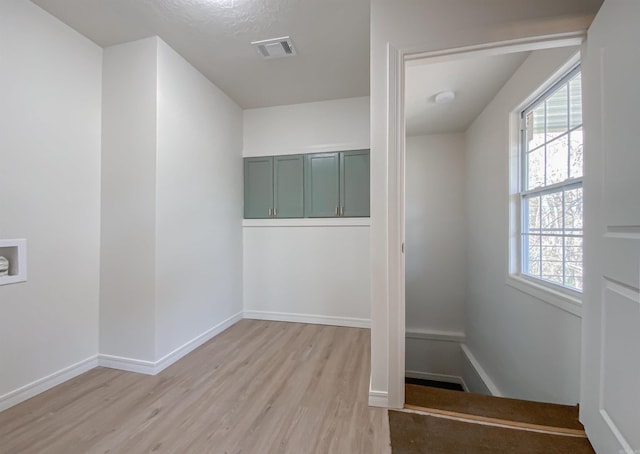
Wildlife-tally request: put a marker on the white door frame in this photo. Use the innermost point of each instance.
(396, 60)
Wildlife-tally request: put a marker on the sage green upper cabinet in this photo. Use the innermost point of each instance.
(354, 183)
(258, 187)
(322, 183)
(288, 189)
(273, 187)
(337, 184)
(318, 185)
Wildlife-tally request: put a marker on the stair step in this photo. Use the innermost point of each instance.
(528, 413)
(415, 433)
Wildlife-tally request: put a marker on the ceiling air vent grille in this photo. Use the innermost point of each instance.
(275, 48)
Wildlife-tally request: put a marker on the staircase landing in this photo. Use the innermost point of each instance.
(443, 421)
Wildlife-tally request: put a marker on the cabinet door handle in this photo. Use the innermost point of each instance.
(337, 210)
(275, 212)
(270, 212)
(341, 211)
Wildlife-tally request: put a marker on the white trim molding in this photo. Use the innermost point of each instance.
(43, 384)
(435, 335)
(113, 362)
(170, 358)
(308, 222)
(138, 366)
(396, 226)
(434, 355)
(556, 298)
(481, 373)
(350, 322)
(527, 44)
(155, 367)
(378, 398)
(396, 59)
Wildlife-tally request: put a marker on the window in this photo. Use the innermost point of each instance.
(550, 193)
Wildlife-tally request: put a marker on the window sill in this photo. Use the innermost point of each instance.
(567, 303)
(308, 222)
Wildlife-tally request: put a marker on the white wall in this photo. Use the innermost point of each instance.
(199, 204)
(312, 274)
(171, 207)
(528, 348)
(49, 194)
(435, 232)
(128, 234)
(429, 26)
(315, 271)
(435, 257)
(341, 124)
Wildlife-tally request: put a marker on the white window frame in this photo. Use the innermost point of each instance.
(557, 295)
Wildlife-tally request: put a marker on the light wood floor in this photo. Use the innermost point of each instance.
(259, 387)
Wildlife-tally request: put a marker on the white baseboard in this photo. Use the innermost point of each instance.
(190, 346)
(378, 398)
(113, 362)
(464, 385)
(435, 377)
(480, 372)
(138, 366)
(307, 318)
(434, 355)
(155, 367)
(39, 386)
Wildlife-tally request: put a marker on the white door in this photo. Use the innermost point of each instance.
(610, 395)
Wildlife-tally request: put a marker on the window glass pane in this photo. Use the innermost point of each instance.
(557, 113)
(576, 156)
(551, 212)
(575, 101)
(573, 211)
(552, 155)
(534, 267)
(535, 127)
(574, 275)
(557, 160)
(551, 269)
(573, 262)
(552, 257)
(573, 252)
(535, 168)
(532, 207)
(532, 255)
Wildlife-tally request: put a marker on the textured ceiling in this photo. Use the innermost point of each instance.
(475, 81)
(330, 36)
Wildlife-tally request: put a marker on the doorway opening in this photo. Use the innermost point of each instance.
(454, 197)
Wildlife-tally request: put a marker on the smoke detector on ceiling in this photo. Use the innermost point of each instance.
(275, 48)
(444, 97)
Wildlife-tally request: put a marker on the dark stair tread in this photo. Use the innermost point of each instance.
(540, 413)
(413, 433)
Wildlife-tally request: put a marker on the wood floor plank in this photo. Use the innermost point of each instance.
(258, 387)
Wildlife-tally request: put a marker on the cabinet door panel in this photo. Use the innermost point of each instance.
(258, 187)
(289, 189)
(322, 180)
(354, 182)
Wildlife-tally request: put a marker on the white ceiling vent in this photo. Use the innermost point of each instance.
(275, 48)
